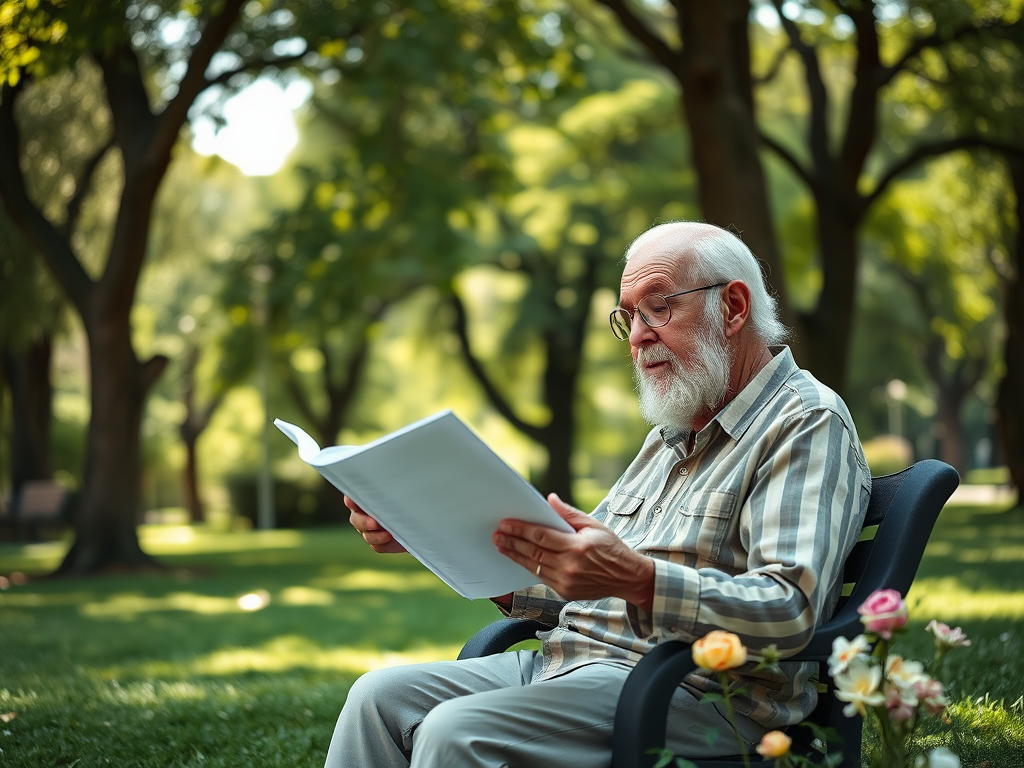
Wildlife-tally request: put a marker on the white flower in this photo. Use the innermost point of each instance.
(904, 674)
(844, 651)
(859, 685)
(940, 757)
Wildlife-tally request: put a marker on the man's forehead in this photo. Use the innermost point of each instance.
(658, 262)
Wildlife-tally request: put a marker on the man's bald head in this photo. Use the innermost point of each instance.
(707, 254)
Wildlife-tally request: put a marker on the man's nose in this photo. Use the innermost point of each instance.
(640, 331)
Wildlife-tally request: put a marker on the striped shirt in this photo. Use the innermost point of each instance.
(748, 532)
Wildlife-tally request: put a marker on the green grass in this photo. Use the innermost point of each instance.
(168, 670)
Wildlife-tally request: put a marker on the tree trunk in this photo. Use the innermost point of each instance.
(28, 375)
(105, 523)
(109, 507)
(559, 434)
(190, 483)
(951, 438)
(1009, 400)
(718, 109)
(826, 331)
(713, 71)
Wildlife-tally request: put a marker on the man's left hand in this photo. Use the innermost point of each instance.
(586, 565)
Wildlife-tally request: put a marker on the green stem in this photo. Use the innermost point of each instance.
(723, 678)
(893, 747)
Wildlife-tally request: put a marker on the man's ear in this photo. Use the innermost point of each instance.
(735, 307)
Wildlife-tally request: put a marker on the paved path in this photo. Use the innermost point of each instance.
(984, 494)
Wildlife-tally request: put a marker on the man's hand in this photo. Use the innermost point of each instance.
(586, 565)
(378, 538)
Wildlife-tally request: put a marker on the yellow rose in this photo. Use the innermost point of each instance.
(718, 651)
(774, 744)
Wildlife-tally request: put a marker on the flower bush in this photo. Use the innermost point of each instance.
(890, 692)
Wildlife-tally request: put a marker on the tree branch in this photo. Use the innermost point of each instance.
(82, 187)
(787, 157)
(862, 115)
(151, 370)
(299, 397)
(818, 126)
(40, 232)
(194, 81)
(495, 397)
(667, 56)
(257, 64)
(774, 68)
(923, 151)
(938, 39)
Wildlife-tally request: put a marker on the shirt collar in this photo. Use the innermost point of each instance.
(739, 413)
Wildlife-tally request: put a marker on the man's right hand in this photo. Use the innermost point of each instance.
(378, 538)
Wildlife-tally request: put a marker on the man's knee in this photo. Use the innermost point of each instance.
(373, 689)
(455, 729)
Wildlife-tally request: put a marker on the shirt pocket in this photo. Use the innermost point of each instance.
(621, 516)
(705, 520)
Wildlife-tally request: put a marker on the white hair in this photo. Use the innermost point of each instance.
(717, 256)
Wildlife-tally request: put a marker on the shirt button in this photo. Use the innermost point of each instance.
(673, 628)
(657, 510)
(683, 471)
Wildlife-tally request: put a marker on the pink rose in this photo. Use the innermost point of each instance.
(883, 612)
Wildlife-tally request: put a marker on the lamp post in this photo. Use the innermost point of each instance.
(265, 513)
(895, 394)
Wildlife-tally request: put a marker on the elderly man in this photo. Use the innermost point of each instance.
(737, 514)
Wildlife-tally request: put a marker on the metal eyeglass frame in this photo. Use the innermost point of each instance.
(620, 314)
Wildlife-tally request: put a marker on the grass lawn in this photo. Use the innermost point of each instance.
(169, 670)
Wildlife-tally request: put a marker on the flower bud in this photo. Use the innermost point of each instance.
(774, 744)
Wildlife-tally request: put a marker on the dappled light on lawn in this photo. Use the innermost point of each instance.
(254, 601)
(956, 601)
(127, 606)
(287, 653)
(179, 539)
(387, 581)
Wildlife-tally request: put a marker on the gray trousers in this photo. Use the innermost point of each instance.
(490, 712)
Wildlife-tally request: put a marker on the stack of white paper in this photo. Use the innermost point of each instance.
(441, 492)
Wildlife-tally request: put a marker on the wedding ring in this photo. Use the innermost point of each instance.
(537, 572)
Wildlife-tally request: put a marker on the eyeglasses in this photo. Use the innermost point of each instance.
(654, 309)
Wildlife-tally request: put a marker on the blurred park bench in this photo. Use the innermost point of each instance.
(37, 504)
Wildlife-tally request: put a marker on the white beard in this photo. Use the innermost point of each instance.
(676, 397)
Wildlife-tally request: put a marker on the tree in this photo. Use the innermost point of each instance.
(1011, 409)
(393, 152)
(834, 164)
(841, 158)
(144, 130)
(942, 236)
(30, 315)
(705, 48)
(980, 82)
(33, 310)
(594, 170)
